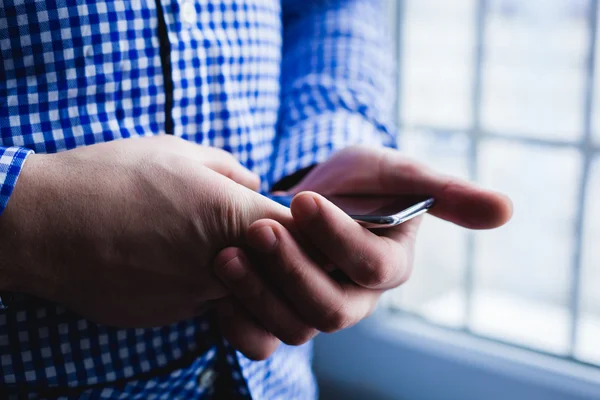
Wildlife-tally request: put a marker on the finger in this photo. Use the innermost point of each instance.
(372, 261)
(225, 164)
(233, 267)
(405, 236)
(243, 332)
(323, 302)
(226, 209)
(387, 172)
(458, 201)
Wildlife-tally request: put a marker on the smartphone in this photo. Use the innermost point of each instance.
(374, 212)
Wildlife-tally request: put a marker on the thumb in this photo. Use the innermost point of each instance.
(234, 208)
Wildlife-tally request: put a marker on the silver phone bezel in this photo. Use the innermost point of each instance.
(375, 221)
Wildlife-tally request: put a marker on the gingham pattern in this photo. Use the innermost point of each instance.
(193, 381)
(281, 86)
(11, 162)
(269, 379)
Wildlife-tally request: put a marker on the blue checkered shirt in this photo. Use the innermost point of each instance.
(281, 85)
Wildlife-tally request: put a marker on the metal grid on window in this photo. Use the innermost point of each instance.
(478, 136)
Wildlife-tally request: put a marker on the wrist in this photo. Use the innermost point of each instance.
(19, 229)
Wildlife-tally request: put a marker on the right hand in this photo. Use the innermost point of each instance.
(124, 232)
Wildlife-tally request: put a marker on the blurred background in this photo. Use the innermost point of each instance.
(507, 93)
(502, 95)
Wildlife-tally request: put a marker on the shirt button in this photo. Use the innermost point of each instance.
(188, 12)
(207, 379)
(88, 51)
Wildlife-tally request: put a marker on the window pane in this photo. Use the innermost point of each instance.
(534, 68)
(596, 109)
(435, 288)
(523, 270)
(588, 340)
(437, 63)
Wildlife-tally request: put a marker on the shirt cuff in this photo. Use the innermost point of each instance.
(314, 140)
(11, 163)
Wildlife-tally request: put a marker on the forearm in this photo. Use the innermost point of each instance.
(338, 82)
(19, 231)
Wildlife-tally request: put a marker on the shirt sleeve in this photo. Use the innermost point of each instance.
(11, 163)
(337, 84)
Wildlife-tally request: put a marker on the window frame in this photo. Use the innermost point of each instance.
(396, 355)
(477, 135)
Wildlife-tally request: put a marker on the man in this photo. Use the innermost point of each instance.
(137, 259)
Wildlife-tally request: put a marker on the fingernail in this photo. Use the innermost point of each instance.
(263, 239)
(233, 269)
(306, 207)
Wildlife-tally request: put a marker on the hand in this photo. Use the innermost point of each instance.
(283, 282)
(124, 232)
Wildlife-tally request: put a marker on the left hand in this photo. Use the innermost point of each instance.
(285, 293)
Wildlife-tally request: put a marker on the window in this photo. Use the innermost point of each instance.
(507, 93)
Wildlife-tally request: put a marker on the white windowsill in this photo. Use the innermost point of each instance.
(394, 357)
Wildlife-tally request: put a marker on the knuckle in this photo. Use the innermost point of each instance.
(376, 272)
(450, 186)
(298, 337)
(162, 160)
(337, 321)
(335, 318)
(229, 214)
